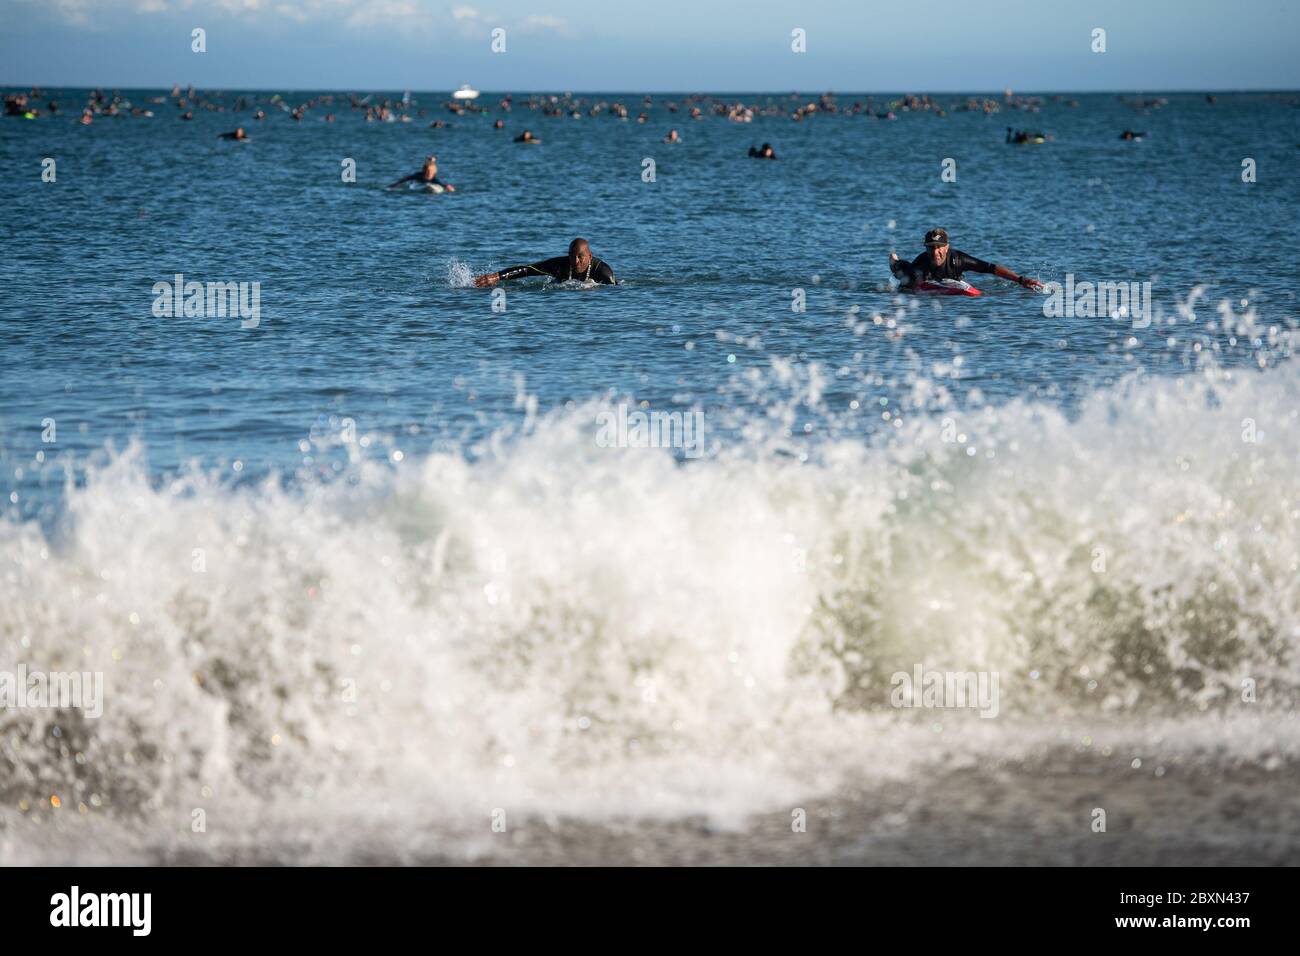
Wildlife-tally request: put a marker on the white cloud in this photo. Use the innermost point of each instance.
(540, 23)
(75, 12)
(403, 13)
(350, 14)
(237, 6)
(473, 22)
(545, 22)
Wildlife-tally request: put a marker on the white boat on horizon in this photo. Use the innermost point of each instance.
(466, 92)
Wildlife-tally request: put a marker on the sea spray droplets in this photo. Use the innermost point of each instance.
(663, 603)
(459, 274)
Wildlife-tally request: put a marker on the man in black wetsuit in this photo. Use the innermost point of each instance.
(579, 264)
(428, 174)
(939, 262)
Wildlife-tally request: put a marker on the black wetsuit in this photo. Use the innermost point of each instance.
(419, 180)
(923, 269)
(560, 270)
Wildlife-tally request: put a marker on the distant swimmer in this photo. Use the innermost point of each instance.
(939, 262)
(1020, 137)
(238, 134)
(763, 152)
(499, 124)
(1129, 134)
(527, 137)
(672, 137)
(428, 175)
(579, 264)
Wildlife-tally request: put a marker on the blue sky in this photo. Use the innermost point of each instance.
(659, 45)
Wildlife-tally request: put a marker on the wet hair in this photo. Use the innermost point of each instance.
(577, 244)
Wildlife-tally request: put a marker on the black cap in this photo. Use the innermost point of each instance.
(936, 237)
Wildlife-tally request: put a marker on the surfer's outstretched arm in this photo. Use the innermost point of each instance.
(1002, 272)
(902, 269)
(404, 179)
(964, 262)
(547, 267)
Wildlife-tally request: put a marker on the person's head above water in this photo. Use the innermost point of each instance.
(576, 265)
(579, 255)
(936, 244)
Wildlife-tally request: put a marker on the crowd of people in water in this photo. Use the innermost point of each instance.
(34, 104)
(183, 103)
(938, 263)
(327, 107)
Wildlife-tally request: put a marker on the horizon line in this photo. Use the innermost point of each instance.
(695, 92)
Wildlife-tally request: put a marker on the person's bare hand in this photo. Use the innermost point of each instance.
(483, 281)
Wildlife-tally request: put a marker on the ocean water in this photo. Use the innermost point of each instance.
(365, 574)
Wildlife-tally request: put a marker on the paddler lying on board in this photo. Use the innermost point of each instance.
(579, 264)
(428, 174)
(939, 262)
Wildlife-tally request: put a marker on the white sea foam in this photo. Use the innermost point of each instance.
(566, 628)
(459, 274)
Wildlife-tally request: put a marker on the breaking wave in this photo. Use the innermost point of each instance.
(619, 632)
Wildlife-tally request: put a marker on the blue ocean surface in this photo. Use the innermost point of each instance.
(370, 552)
(365, 313)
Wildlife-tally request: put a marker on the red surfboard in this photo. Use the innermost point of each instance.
(942, 287)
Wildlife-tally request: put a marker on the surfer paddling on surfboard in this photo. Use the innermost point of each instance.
(427, 176)
(579, 264)
(939, 264)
